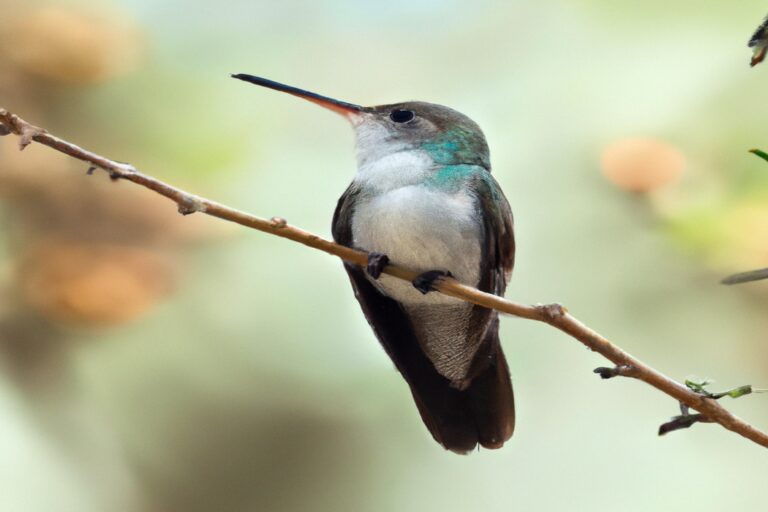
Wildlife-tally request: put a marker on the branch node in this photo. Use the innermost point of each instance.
(26, 132)
(278, 222)
(92, 169)
(189, 204)
(119, 170)
(551, 312)
(623, 370)
(682, 422)
(26, 138)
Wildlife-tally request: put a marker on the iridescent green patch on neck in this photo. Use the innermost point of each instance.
(458, 146)
(455, 177)
(442, 151)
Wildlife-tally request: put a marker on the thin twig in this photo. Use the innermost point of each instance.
(553, 314)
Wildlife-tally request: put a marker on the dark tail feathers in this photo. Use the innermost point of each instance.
(483, 414)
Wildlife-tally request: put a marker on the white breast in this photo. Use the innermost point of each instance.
(422, 229)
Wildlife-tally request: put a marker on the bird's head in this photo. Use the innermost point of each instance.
(445, 135)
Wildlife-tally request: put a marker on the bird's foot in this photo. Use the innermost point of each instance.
(425, 282)
(376, 264)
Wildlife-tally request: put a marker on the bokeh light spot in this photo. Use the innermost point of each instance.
(72, 48)
(640, 164)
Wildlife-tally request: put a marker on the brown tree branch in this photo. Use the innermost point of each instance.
(554, 314)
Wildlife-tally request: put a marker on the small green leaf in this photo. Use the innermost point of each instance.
(698, 385)
(760, 153)
(740, 391)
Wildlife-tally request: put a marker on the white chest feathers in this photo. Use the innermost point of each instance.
(423, 229)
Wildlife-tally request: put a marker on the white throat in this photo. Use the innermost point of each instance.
(417, 226)
(384, 164)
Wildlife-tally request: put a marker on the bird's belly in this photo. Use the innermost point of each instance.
(422, 230)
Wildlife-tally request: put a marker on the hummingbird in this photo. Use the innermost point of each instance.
(423, 197)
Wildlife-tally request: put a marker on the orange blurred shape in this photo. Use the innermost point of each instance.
(93, 284)
(640, 164)
(65, 46)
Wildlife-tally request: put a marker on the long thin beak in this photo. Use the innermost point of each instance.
(340, 107)
(746, 277)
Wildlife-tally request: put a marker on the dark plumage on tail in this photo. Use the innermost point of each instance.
(483, 413)
(492, 402)
(486, 410)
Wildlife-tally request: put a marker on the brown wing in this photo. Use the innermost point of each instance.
(491, 388)
(499, 249)
(498, 258)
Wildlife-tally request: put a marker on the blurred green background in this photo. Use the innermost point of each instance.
(153, 363)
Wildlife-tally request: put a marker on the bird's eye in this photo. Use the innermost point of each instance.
(401, 115)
